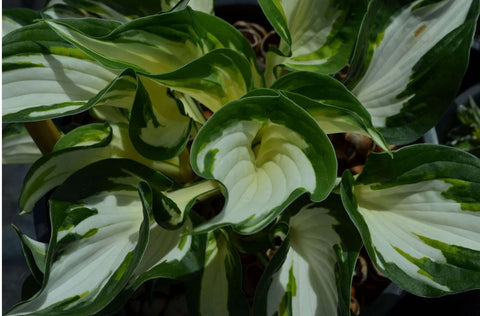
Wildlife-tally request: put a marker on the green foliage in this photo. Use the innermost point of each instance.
(155, 187)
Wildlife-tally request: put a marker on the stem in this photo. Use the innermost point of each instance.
(186, 172)
(44, 133)
(169, 170)
(201, 190)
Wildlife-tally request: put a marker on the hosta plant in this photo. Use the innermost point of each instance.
(128, 191)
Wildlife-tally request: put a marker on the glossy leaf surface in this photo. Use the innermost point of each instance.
(223, 269)
(99, 235)
(311, 273)
(18, 146)
(156, 44)
(45, 77)
(316, 35)
(258, 149)
(419, 218)
(335, 109)
(409, 61)
(76, 150)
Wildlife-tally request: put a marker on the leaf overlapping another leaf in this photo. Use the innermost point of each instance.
(218, 77)
(45, 77)
(18, 146)
(13, 19)
(335, 108)
(223, 268)
(95, 221)
(403, 71)
(311, 273)
(104, 222)
(35, 254)
(419, 218)
(157, 44)
(117, 223)
(264, 158)
(86, 145)
(316, 35)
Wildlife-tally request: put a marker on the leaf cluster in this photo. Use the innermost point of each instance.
(194, 159)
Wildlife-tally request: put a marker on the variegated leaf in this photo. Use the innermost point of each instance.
(120, 10)
(206, 6)
(13, 19)
(177, 255)
(83, 8)
(45, 77)
(99, 235)
(79, 148)
(335, 108)
(266, 151)
(9, 25)
(18, 146)
(419, 217)
(409, 61)
(110, 114)
(191, 107)
(219, 291)
(134, 9)
(114, 103)
(157, 44)
(157, 129)
(311, 273)
(175, 205)
(35, 253)
(174, 5)
(120, 93)
(316, 35)
(172, 252)
(218, 77)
